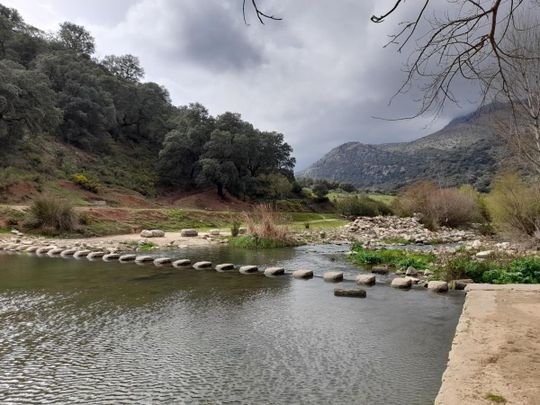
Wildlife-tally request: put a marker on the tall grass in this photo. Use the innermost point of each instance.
(52, 216)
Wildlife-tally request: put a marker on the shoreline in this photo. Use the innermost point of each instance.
(495, 354)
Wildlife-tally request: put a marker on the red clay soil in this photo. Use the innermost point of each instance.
(21, 192)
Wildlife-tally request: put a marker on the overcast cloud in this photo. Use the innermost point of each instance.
(318, 76)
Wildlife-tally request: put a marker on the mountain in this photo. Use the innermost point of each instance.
(466, 151)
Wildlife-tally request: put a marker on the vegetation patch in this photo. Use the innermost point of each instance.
(392, 257)
(51, 216)
(361, 205)
(254, 242)
(499, 399)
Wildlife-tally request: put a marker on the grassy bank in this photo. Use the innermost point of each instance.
(392, 257)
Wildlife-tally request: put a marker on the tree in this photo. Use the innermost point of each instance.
(126, 67)
(27, 104)
(320, 190)
(76, 38)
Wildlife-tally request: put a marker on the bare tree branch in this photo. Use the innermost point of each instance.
(260, 14)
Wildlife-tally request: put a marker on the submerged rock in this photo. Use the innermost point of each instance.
(350, 292)
(401, 282)
(333, 276)
(366, 279)
(274, 271)
(303, 274)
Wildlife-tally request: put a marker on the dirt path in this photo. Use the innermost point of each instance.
(495, 356)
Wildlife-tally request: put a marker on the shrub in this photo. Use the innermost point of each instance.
(439, 206)
(320, 190)
(235, 228)
(392, 257)
(51, 216)
(263, 223)
(361, 206)
(514, 206)
(85, 183)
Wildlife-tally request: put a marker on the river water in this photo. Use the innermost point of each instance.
(74, 331)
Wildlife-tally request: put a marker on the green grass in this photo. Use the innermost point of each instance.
(250, 242)
(398, 241)
(147, 246)
(392, 257)
(499, 399)
(385, 198)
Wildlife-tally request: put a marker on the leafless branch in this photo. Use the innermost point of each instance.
(261, 16)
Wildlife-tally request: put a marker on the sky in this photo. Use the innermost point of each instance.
(319, 76)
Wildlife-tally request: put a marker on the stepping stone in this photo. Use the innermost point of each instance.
(81, 253)
(379, 270)
(438, 286)
(127, 258)
(162, 261)
(68, 252)
(248, 269)
(110, 257)
(303, 274)
(95, 255)
(401, 282)
(31, 249)
(274, 271)
(333, 276)
(350, 292)
(224, 267)
(182, 263)
(366, 279)
(43, 250)
(202, 265)
(55, 252)
(144, 259)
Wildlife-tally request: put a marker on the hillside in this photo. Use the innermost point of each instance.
(467, 150)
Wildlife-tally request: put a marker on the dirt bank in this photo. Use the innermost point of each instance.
(495, 356)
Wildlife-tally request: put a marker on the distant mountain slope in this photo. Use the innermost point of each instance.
(467, 150)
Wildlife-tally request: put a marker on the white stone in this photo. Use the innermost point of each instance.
(249, 269)
(182, 263)
(224, 267)
(438, 286)
(333, 276)
(144, 259)
(127, 258)
(81, 253)
(202, 265)
(484, 254)
(214, 232)
(303, 274)
(111, 256)
(366, 279)
(401, 282)
(95, 255)
(274, 271)
(189, 233)
(162, 261)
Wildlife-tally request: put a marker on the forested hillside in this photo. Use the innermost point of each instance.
(70, 119)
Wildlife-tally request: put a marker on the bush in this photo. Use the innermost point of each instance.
(439, 206)
(392, 257)
(320, 190)
(85, 183)
(235, 228)
(514, 206)
(52, 216)
(361, 206)
(264, 224)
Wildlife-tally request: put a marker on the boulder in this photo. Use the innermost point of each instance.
(162, 261)
(484, 254)
(189, 233)
(414, 280)
(249, 269)
(68, 252)
(274, 271)
(182, 263)
(202, 265)
(242, 231)
(152, 233)
(31, 249)
(224, 267)
(81, 253)
(40, 251)
(411, 271)
(461, 284)
(350, 292)
(401, 282)
(303, 274)
(333, 276)
(144, 259)
(127, 258)
(438, 286)
(95, 255)
(111, 256)
(366, 279)
(214, 232)
(379, 270)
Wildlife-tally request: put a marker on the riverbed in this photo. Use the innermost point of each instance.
(75, 331)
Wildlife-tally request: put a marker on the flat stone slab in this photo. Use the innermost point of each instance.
(81, 253)
(144, 259)
(111, 256)
(189, 233)
(181, 263)
(162, 261)
(224, 267)
(303, 274)
(95, 255)
(249, 269)
(437, 286)
(333, 276)
(401, 282)
(274, 271)
(350, 292)
(127, 258)
(366, 279)
(202, 265)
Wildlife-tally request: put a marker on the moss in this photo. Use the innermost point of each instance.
(499, 399)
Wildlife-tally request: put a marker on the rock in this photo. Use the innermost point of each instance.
(54, 252)
(350, 292)
(379, 270)
(322, 234)
(400, 282)
(366, 279)
(484, 254)
(40, 251)
(146, 233)
(95, 255)
(333, 276)
(438, 286)
(162, 261)
(476, 244)
(414, 280)
(411, 271)
(202, 265)
(249, 269)
(31, 249)
(242, 231)
(144, 259)
(214, 232)
(303, 274)
(110, 257)
(127, 258)
(274, 271)
(68, 252)
(81, 253)
(152, 233)
(428, 273)
(224, 267)
(182, 263)
(189, 233)
(461, 284)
